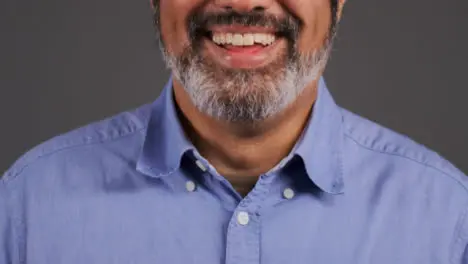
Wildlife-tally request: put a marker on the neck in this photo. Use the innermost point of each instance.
(240, 152)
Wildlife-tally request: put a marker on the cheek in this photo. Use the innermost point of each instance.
(316, 18)
(173, 16)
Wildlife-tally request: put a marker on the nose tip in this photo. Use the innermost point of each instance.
(244, 5)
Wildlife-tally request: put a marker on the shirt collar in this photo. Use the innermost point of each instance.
(319, 147)
(165, 141)
(321, 143)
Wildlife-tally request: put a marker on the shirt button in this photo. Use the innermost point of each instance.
(190, 186)
(243, 218)
(288, 193)
(200, 165)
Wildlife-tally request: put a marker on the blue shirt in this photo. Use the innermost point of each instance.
(133, 189)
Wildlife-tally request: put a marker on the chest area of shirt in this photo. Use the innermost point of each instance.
(135, 229)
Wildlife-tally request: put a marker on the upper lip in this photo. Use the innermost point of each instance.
(241, 29)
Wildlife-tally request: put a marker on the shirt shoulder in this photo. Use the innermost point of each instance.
(400, 150)
(97, 135)
(397, 170)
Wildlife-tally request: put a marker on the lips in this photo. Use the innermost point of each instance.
(236, 46)
(243, 50)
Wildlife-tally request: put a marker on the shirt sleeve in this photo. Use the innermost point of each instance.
(5, 227)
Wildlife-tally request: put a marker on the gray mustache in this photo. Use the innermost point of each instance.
(287, 27)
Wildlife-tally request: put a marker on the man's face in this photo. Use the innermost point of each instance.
(245, 60)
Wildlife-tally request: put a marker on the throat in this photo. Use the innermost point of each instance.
(243, 184)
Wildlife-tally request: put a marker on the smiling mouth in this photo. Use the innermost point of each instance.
(243, 47)
(242, 38)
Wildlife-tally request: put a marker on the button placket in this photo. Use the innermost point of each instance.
(243, 236)
(243, 218)
(243, 239)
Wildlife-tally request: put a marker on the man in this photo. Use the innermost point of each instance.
(244, 158)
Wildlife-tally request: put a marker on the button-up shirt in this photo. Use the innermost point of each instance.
(133, 189)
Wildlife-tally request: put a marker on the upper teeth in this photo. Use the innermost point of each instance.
(248, 39)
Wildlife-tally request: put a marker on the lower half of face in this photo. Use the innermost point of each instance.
(242, 67)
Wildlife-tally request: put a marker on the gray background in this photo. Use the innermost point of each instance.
(66, 63)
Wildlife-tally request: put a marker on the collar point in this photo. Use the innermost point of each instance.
(155, 171)
(336, 189)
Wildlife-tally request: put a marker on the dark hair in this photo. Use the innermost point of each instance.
(334, 12)
(334, 5)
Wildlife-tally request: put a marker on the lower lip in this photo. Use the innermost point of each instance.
(244, 57)
(246, 49)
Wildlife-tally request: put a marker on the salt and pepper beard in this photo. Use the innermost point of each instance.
(245, 95)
